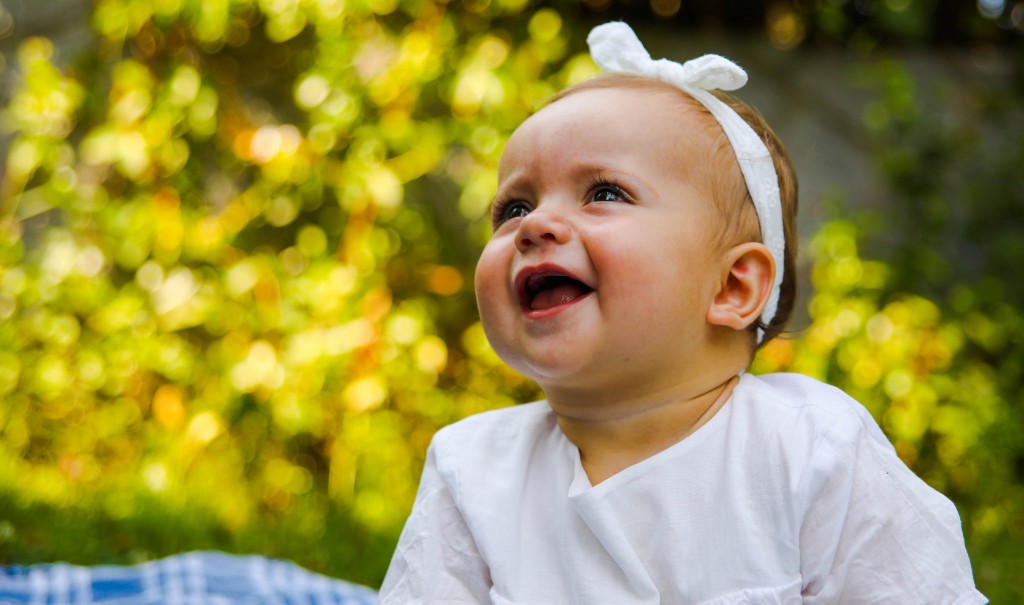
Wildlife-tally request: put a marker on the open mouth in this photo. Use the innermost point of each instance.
(547, 290)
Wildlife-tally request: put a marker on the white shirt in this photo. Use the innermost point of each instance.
(790, 494)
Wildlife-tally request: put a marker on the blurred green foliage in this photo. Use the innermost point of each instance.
(235, 291)
(236, 249)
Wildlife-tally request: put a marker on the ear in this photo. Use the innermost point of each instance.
(744, 287)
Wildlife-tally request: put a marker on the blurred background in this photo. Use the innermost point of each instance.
(237, 240)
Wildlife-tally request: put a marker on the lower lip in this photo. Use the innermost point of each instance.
(535, 314)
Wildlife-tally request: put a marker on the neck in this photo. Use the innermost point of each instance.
(614, 437)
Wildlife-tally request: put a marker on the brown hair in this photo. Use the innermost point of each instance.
(735, 203)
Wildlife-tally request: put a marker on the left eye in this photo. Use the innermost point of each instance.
(608, 193)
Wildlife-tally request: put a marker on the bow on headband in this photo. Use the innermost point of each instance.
(615, 48)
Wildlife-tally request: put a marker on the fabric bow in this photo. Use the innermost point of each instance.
(615, 48)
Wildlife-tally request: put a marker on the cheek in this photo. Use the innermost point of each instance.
(659, 278)
(490, 277)
(493, 299)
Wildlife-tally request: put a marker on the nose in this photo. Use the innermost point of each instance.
(540, 228)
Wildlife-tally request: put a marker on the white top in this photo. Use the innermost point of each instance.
(790, 494)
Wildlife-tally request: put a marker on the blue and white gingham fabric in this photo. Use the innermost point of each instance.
(195, 578)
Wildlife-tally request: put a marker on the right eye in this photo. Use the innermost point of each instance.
(507, 211)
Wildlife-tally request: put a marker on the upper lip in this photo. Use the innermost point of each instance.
(529, 278)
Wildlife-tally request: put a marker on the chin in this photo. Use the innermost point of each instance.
(537, 368)
(557, 372)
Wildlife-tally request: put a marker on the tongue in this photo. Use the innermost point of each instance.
(561, 293)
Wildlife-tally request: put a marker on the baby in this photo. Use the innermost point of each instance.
(643, 248)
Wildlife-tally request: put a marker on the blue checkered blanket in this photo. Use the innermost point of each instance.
(195, 578)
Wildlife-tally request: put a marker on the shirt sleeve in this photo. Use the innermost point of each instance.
(873, 531)
(436, 560)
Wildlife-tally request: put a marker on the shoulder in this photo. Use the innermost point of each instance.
(494, 435)
(841, 449)
(486, 460)
(796, 406)
(503, 424)
(798, 392)
(816, 435)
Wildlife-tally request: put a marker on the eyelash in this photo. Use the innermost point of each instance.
(600, 183)
(499, 209)
(501, 206)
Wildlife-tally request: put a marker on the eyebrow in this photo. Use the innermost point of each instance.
(580, 170)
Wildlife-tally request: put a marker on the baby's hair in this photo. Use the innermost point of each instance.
(736, 206)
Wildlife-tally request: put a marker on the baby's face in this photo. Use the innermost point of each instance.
(604, 259)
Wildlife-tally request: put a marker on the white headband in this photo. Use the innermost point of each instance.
(615, 48)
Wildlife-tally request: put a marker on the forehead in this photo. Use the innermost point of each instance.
(647, 125)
